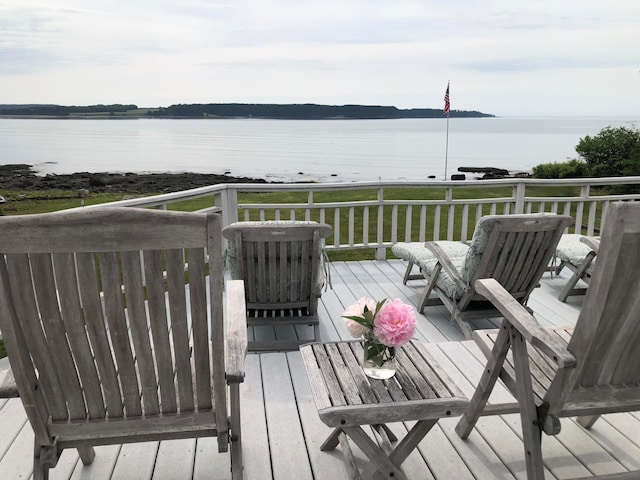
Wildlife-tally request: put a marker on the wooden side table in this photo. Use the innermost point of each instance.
(346, 399)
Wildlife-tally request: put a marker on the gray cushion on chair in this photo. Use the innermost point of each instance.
(465, 258)
(571, 250)
(417, 253)
(476, 249)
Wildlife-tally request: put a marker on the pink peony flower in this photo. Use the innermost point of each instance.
(357, 310)
(395, 323)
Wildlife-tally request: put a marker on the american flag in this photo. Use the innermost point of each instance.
(447, 104)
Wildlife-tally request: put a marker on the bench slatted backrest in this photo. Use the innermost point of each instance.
(280, 263)
(106, 313)
(607, 334)
(513, 249)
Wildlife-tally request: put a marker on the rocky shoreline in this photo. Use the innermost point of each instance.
(23, 177)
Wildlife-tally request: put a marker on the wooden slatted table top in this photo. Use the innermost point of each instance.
(344, 396)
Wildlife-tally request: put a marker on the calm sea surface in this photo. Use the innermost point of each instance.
(324, 150)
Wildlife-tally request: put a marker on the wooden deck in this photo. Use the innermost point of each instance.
(282, 432)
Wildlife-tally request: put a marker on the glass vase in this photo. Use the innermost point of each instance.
(379, 360)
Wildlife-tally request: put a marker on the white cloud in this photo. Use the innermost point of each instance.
(504, 57)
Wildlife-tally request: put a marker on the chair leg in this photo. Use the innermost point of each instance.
(42, 458)
(588, 421)
(316, 332)
(531, 424)
(407, 273)
(87, 454)
(567, 289)
(579, 273)
(40, 472)
(237, 464)
(332, 440)
(485, 385)
(431, 281)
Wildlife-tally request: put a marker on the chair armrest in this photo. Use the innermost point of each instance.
(444, 260)
(8, 387)
(518, 316)
(236, 331)
(592, 242)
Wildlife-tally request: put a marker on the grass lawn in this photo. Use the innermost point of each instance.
(20, 202)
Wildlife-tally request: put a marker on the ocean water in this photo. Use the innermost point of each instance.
(296, 150)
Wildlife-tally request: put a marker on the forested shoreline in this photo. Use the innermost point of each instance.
(308, 111)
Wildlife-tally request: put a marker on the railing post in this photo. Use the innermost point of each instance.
(584, 196)
(381, 251)
(520, 190)
(227, 200)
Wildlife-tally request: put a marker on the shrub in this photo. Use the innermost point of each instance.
(613, 152)
(574, 168)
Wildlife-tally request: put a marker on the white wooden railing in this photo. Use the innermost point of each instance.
(376, 215)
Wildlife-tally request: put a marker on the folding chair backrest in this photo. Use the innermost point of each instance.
(98, 312)
(281, 263)
(513, 249)
(607, 334)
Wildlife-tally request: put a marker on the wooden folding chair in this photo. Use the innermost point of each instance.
(585, 371)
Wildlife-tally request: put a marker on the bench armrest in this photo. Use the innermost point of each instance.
(524, 322)
(444, 260)
(236, 331)
(592, 242)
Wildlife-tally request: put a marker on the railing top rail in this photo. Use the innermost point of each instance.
(257, 187)
(168, 198)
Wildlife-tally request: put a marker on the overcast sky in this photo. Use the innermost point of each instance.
(507, 57)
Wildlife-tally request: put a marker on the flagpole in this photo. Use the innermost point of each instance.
(447, 108)
(446, 149)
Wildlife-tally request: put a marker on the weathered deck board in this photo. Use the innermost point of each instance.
(282, 433)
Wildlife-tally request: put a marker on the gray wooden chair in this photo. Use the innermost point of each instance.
(513, 249)
(113, 324)
(281, 264)
(584, 371)
(576, 253)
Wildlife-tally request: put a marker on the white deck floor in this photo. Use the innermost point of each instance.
(282, 433)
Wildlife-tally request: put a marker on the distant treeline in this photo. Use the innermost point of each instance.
(303, 111)
(62, 110)
(306, 111)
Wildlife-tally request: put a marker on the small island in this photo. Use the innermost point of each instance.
(306, 111)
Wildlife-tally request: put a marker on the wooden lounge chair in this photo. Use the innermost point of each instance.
(114, 333)
(513, 249)
(584, 371)
(578, 254)
(282, 266)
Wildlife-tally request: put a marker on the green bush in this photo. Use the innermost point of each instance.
(574, 168)
(613, 152)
